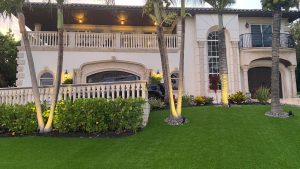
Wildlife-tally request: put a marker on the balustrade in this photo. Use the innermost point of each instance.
(97, 90)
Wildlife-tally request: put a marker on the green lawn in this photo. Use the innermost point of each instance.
(233, 138)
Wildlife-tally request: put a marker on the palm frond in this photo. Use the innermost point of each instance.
(220, 5)
(10, 7)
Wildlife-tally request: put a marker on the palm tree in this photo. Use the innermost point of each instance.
(156, 10)
(220, 5)
(57, 83)
(60, 29)
(276, 7)
(8, 8)
(182, 50)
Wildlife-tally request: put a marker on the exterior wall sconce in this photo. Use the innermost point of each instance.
(66, 75)
(122, 22)
(155, 23)
(247, 25)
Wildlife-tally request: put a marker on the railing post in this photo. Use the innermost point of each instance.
(71, 39)
(118, 40)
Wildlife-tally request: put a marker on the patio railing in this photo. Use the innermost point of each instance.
(101, 40)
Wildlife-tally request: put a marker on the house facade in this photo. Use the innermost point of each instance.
(118, 43)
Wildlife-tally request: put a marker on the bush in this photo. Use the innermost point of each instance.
(82, 115)
(18, 119)
(155, 78)
(100, 115)
(199, 100)
(203, 100)
(262, 94)
(209, 100)
(238, 97)
(68, 81)
(186, 101)
(156, 104)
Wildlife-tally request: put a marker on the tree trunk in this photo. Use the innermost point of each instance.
(60, 28)
(181, 61)
(223, 68)
(35, 89)
(164, 59)
(276, 109)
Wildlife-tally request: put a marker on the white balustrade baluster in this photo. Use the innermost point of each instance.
(111, 87)
(88, 90)
(74, 92)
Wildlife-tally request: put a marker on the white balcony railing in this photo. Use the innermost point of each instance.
(97, 90)
(101, 40)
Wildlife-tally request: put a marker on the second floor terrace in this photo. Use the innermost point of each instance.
(260, 40)
(85, 40)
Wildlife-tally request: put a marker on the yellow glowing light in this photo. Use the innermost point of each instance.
(122, 22)
(80, 20)
(155, 23)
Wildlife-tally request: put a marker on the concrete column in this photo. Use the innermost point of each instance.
(245, 74)
(200, 68)
(72, 39)
(118, 40)
(293, 82)
(236, 74)
(37, 27)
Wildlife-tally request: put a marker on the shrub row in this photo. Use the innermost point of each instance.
(82, 115)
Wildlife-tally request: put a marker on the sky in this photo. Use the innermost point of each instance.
(6, 24)
(240, 4)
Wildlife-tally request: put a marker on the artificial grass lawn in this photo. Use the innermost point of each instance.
(238, 137)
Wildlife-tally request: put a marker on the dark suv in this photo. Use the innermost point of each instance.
(156, 91)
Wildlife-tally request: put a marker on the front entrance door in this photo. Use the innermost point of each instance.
(261, 76)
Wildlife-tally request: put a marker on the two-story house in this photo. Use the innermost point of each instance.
(118, 43)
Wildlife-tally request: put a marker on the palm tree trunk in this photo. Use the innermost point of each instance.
(57, 83)
(35, 89)
(223, 61)
(164, 59)
(181, 60)
(276, 109)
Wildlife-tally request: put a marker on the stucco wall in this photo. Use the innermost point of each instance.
(196, 80)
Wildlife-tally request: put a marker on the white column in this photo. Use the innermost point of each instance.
(37, 27)
(236, 74)
(118, 40)
(293, 82)
(72, 38)
(245, 74)
(200, 69)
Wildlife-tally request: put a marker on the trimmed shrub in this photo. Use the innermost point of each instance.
(208, 100)
(156, 104)
(203, 100)
(186, 101)
(82, 115)
(18, 119)
(99, 115)
(262, 94)
(199, 100)
(238, 97)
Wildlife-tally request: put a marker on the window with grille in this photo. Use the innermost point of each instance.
(213, 58)
(46, 79)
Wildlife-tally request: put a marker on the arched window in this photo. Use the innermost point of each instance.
(46, 79)
(175, 80)
(111, 76)
(213, 57)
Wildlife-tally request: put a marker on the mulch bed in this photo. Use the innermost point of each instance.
(56, 134)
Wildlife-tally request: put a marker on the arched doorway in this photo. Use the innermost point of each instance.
(261, 76)
(111, 76)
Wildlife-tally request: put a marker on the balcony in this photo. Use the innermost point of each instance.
(101, 40)
(252, 40)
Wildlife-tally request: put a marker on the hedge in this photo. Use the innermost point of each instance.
(82, 115)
